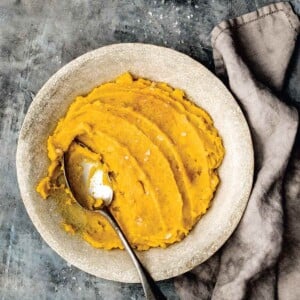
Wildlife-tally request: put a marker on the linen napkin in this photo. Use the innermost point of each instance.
(252, 54)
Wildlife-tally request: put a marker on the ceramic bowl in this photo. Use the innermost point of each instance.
(158, 64)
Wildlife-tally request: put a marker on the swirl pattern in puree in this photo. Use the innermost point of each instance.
(161, 153)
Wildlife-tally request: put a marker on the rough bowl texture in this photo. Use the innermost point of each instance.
(158, 64)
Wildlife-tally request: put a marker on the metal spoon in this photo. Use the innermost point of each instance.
(151, 290)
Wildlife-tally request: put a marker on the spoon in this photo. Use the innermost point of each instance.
(150, 288)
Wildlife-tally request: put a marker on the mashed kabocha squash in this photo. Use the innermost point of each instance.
(161, 153)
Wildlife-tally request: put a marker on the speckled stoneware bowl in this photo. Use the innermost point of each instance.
(158, 64)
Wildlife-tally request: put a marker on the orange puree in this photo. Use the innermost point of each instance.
(161, 153)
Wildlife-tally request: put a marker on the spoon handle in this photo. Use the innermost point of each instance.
(152, 292)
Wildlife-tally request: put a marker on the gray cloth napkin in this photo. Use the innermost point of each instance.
(252, 54)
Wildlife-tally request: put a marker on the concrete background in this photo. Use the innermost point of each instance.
(36, 39)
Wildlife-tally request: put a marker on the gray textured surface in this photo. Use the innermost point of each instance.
(36, 39)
